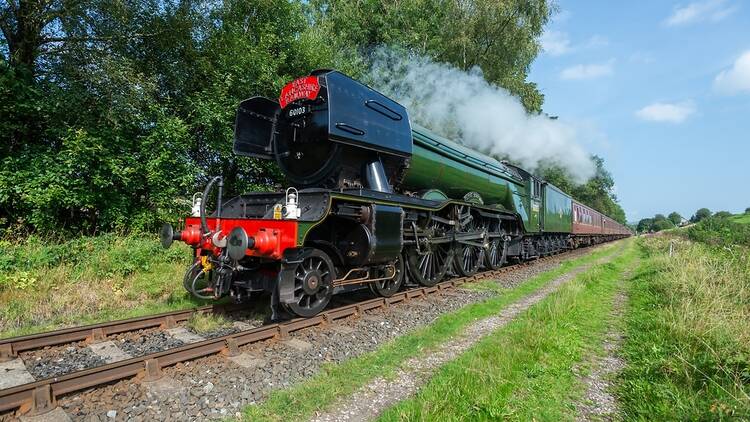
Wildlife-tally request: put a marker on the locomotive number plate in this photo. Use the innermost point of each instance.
(296, 112)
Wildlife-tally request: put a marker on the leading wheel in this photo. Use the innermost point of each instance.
(389, 287)
(313, 285)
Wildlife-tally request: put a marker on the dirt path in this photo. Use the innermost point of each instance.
(370, 401)
(599, 402)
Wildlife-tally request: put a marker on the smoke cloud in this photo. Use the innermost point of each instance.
(464, 107)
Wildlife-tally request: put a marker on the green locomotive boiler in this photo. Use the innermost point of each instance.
(372, 201)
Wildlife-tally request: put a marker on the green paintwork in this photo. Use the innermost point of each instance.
(303, 227)
(534, 223)
(437, 163)
(558, 210)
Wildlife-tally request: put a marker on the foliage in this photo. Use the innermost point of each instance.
(719, 230)
(747, 210)
(501, 38)
(44, 284)
(722, 214)
(658, 223)
(675, 218)
(121, 110)
(645, 225)
(700, 215)
(687, 345)
(597, 192)
(113, 113)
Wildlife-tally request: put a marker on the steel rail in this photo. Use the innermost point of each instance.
(10, 347)
(40, 396)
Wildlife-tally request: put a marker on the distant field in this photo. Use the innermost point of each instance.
(741, 218)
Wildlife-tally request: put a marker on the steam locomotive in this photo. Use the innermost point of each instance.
(374, 201)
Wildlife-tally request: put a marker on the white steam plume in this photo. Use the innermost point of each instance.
(463, 106)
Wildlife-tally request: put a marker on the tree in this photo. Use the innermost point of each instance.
(701, 214)
(662, 224)
(675, 218)
(723, 214)
(747, 210)
(112, 113)
(501, 38)
(644, 225)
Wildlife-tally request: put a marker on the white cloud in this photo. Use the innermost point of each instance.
(699, 11)
(666, 112)
(555, 43)
(588, 71)
(736, 79)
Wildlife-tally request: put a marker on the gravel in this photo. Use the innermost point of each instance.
(217, 333)
(49, 363)
(139, 344)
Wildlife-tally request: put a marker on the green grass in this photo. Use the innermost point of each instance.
(523, 371)
(741, 218)
(688, 334)
(204, 323)
(47, 285)
(335, 381)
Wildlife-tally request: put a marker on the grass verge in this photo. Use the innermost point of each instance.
(688, 336)
(204, 323)
(523, 370)
(45, 285)
(335, 381)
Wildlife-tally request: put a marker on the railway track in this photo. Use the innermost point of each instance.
(11, 347)
(40, 396)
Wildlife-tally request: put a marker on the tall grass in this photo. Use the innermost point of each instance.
(45, 285)
(688, 342)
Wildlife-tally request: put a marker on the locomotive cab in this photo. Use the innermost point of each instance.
(328, 130)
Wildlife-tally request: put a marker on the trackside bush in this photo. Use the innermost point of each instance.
(720, 231)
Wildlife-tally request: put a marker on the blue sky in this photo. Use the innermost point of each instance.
(661, 90)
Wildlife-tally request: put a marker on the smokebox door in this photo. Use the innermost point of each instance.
(255, 127)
